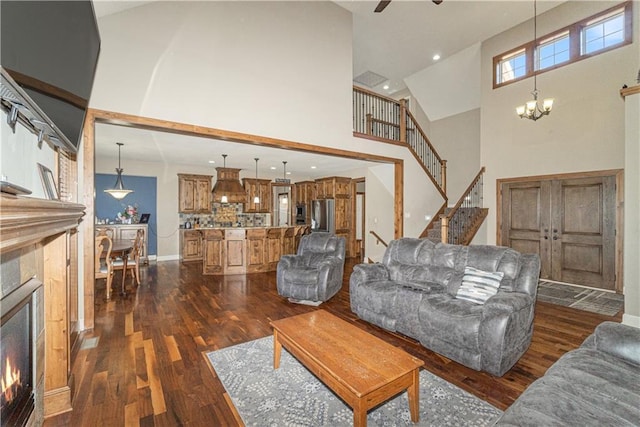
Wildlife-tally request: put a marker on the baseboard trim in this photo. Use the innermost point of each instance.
(168, 258)
(630, 320)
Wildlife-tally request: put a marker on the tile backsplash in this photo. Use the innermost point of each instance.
(226, 215)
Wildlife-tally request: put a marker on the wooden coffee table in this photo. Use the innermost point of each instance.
(360, 368)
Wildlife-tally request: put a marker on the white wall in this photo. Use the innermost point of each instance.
(457, 139)
(277, 69)
(585, 130)
(379, 211)
(20, 155)
(446, 88)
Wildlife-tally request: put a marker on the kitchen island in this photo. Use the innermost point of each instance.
(240, 250)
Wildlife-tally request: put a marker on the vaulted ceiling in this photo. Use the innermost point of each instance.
(397, 43)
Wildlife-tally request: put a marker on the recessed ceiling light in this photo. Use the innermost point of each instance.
(272, 168)
(313, 167)
(288, 173)
(212, 161)
(436, 57)
(385, 87)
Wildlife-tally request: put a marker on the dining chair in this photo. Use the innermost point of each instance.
(107, 231)
(103, 265)
(133, 262)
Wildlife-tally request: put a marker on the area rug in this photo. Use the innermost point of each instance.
(292, 396)
(592, 300)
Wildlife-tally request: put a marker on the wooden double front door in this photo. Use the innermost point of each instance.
(570, 221)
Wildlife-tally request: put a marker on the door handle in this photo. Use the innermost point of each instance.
(555, 237)
(546, 237)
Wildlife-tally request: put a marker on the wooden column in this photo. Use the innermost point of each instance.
(57, 393)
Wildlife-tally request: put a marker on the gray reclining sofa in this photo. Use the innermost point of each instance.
(416, 291)
(597, 384)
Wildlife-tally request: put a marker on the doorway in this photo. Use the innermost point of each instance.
(570, 221)
(283, 209)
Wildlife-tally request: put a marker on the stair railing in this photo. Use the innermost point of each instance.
(382, 118)
(378, 238)
(425, 152)
(461, 222)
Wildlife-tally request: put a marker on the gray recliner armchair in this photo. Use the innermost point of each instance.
(314, 274)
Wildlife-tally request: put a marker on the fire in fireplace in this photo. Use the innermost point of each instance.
(16, 362)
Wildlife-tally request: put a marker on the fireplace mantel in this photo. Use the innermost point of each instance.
(43, 234)
(25, 221)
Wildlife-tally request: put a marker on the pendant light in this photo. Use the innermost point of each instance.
(224, 198)
(284, 175)
(256, 199)
(118, 191)
(531, 109)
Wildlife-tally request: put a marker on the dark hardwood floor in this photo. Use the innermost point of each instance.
(143, 363)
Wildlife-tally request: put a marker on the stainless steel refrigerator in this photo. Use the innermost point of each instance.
(323, 215)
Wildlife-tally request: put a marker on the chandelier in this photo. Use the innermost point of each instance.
(532, 109)
(118, 191)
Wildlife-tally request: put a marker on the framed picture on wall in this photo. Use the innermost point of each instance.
(48, 182)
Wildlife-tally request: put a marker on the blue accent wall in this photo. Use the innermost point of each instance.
(144, 195)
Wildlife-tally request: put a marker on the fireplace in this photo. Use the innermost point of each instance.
(18, 331)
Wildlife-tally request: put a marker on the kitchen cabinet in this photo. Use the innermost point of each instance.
(335, 186)
(194, 193)
(256, 253)
(273, 244)
(190, 245)
(342, 213)
(213, 252)
(305, 192)
(262, 189)
(247, 250)
(234, 246)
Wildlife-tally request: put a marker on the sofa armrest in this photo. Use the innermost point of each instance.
(506, 303)
(616, 339)
(329, 262)
(290, 261)
(370, 272)
(528, 278)
(505, 330)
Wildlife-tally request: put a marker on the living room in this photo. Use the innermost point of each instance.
(290, 83)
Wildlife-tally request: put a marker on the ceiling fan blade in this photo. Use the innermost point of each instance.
(380, 7)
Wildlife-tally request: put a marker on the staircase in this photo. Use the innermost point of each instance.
(458, 225)
(384, 119)
(470, 219)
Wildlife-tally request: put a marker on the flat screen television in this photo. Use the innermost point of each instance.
(50, 49)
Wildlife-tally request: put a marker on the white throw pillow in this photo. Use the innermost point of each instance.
(478, 286)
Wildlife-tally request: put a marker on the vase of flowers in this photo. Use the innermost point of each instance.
(129, 215)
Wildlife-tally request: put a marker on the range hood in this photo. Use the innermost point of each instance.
(228, 184)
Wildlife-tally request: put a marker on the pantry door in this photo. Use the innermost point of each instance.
(570, 222)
